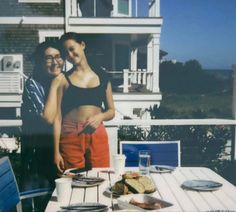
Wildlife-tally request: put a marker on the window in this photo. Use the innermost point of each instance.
(123, 6)
(39, 1)
(50, 35)
(51, 38)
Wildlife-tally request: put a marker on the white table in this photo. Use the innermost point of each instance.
(168, 188)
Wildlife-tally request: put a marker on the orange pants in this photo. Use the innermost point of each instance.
(74, 146)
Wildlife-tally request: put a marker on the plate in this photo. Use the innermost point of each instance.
(87, 181)
(95, 207)
(201, 185)
(140, 201)
(161, 169)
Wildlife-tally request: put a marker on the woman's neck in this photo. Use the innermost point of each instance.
(84, 67)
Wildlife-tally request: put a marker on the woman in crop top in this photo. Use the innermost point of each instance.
(80, 138)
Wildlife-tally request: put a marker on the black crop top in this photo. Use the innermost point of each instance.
(75, 96)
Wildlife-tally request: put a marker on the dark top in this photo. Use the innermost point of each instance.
(76, 96)
(37, 139)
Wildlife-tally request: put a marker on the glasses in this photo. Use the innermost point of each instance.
(50, 58)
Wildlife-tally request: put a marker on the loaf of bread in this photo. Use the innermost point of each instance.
(135, 186)
(133, 182)
(147, 183)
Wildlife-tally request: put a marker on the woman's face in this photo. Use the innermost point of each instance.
(74, 51)
(53, 61)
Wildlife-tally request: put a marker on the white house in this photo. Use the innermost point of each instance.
(125, 41)
(125, 34)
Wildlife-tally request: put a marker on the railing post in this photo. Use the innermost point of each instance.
(126, 81)
(139, 76)
(149, 80)
(112, 132)
(233, 150)
(144, 80)
(156, 52)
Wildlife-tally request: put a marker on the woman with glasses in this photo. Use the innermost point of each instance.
(84, 102)
(37, 110)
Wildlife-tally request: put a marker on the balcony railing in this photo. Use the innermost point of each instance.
(130, 79)
(228, 126)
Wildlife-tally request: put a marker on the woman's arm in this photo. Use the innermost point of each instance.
(50, 108)
(109, 104)
(109, 114)
(58, 160)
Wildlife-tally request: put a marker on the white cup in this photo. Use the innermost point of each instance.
(144, 162)
(64, 189)
(119, 163)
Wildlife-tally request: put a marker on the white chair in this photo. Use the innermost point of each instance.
(10, 196)
(162, 152)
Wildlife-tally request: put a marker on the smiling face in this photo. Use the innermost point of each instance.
(53, 61)
(75, 51)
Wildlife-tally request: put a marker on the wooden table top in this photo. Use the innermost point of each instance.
(168, 189)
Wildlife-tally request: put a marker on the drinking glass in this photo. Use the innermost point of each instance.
(119, 163)
(64, 189)
(144, 162)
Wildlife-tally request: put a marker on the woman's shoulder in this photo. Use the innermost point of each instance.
(31, 83)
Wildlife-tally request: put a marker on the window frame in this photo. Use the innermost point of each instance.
(39, 1)
(43, 33)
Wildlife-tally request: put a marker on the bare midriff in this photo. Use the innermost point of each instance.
(82, 113)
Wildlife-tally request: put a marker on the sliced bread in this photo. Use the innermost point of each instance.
(147, 183)
(130, 175)
(120, 188)
(135, 186)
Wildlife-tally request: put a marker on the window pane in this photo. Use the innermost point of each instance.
(51, 38)
(123, 6)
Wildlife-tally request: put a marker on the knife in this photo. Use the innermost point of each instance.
(164, 168)
(79, 170)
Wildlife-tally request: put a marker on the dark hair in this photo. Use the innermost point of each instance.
(72, 36)
(38, 59)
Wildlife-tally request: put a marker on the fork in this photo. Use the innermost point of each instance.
(111, 195)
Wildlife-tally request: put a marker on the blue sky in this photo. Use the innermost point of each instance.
(200, 29)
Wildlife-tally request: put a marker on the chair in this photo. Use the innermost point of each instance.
(162, 152)
(10, 196)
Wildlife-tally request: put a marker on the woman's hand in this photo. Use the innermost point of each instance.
(94, 121)
(57, 80)
(58, 160)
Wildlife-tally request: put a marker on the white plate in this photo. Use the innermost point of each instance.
(123, 202)
(87, 181)
(86, 206)
(201, 185)
(161, 169)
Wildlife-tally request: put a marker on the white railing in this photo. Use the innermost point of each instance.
(113, 126)
(139, 77)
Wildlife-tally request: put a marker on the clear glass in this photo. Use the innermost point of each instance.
(144, 162)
